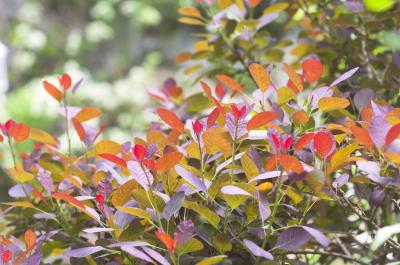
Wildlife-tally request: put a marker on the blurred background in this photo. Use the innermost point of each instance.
(121, 48)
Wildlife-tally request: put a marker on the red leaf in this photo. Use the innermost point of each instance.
(9, 127)
(392, 134)
(139, 151)
(1, 138)
(290, 163)
(113, 158)
(79, 128)
(220, 91)
(68, 198)
(261, 119)
(212, 118)
(312, 69)
(197, 127)
(53, 91)
(29, 238)
(238, 113)
(323, 144)
(6, 256)
(171, 119)
(303, 141)
(20, 132)
(167, 240)
(362, 136)
(39, 194)
(65, 81)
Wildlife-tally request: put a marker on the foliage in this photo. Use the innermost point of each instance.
(298, 170)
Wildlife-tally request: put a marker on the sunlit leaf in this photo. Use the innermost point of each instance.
(87, 113)
(332, 103)
(230, 82)
(261, 119)
(260, 76)
(53, 91)
(171, 119)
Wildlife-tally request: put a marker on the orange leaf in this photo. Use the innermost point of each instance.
(1, 138)
(392, 134)
(260, 76)
(168, 161)
(183, 57)
(113, 158)
(294, 77)
(65, 81)
(323, 144)
(87, 113)
(332, 103)
(261, 119)
(303, 141)
(171, 119)
(229, 82)
(312, 69)
(167, 240)
(301, 117)
(68, 198)
(212, 117)
(189, 11)
(254, 3)
(30, 238)
(206, 89)
(79, 128)
(362, 136)
(20, 132)
(290, 163)
(53, 91)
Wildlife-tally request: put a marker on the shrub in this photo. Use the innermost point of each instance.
(296, 171)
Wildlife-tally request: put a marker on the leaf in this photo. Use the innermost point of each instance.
(19, 174)
(20, 132)
(317, 235)
(261, 119)
(79, 129)
(378, 6)
(293, 238)
(290, 163)
(167, 240)
(384, 234)
(97, 230)
(260, 76)
(233, 190)
(123, 193)
(68, 198)
(316, 179)
(362, 136)
(42, 137)
(312, 70)
(294, 195)
(392, 134)
(87, 113)
(19, 204)
(285, 94)
(29, 238)
(115, 159)
(136, 212)
(191, 21)
(141, 174)
(53, 91)
(83, 252)
(171, 119)
(211, 260)
(217, 140)
(324, 143)
(332, 103)
(230, 82)
(249, 167)
(275, 8)
(222, 243)
(344, 76)
(191, 178)
(393, 116)
(168, 161)
(189, 11)
(108, 146)
(300, 117)
(303, 141)
(173, 205)
(189, 246)
(256, 250)
(206, 213)
(156, 256)
(263, 207)
(294, 77)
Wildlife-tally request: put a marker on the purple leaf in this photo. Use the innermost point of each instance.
(191, 178)
(253, 154)
(105, 187)
(233, 190)
(293, 238)
(76, 86)
(20, 191)
(256, 250)
(235, 128)
(83, 252)
(97, 230)
(378, 129)
(362, 98)
(173, 205)
(354, 6)
(268, 175)
(128, 244)
(184, 231)
(227, 162)
(341, 180)
(344, 76)
(35, 258)
(156, 256)
(46, 181)
(369, 167)
(136, 253)
(263, 207)
(265, 20)
(317, 235)
(144, 178)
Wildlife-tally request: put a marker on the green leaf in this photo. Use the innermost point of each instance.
(191, 245)
(378, 6)
(222, 243)
(206, 213)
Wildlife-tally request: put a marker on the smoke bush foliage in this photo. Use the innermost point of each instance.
(298, 171)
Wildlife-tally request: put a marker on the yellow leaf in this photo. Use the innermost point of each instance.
(222, 4)
(340, 155)
(393, 116)
(393, 157)
(136, 212)
(285, 94)
(42, 137)
(217, 140)
(332, 103)
(211, 260)
(260, 76)
(249, 167)
(19, 204)
(294, 195)
(19, 174)
(183, 57)
(294, 77)
(108, 146)
(123, 193)
(191, 21)
(205, 212)
(192, 69)
(278, 7)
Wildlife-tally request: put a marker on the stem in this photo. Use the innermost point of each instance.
(65, 103)
(233, 150)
